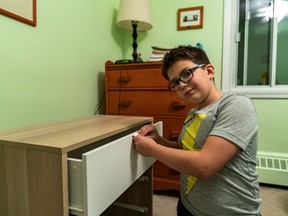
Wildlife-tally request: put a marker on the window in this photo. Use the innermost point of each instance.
(255, 48)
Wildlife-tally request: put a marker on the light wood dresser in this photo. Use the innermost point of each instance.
(83, 167)
(140, 89)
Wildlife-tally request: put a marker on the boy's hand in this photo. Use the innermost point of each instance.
(144, 144)
(150, 131)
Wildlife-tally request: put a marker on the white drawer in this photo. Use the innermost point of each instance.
(103, 174)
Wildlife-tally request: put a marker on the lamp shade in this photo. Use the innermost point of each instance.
(134, 10)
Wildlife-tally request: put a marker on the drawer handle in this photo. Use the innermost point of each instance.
(124, 103)
(174, 135)
(123, 79)
(178, 104)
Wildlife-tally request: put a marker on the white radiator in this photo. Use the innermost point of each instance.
(272, 168)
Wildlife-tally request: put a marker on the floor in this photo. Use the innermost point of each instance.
(274, 201)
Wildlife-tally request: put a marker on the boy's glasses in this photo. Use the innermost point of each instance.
(184, 77)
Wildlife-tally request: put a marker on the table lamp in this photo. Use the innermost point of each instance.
(134, 15)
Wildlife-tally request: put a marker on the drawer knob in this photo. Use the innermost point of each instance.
(178, 104)
(123, 79)
(124, 103)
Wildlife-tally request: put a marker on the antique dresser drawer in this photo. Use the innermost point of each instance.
(129, 76)
(149, 103)
(96, 180)
(148, 78)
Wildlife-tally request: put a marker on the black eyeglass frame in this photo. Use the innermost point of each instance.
(191, 70)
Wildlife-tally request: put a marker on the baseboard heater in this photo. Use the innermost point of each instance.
(272, 168)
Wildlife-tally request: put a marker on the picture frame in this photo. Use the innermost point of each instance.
(24, 10)
(190, 18)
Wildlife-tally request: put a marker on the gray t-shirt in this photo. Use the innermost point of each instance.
(234, 190)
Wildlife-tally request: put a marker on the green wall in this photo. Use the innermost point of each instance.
(55, 71)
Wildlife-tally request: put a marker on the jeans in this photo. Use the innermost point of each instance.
(181, 210)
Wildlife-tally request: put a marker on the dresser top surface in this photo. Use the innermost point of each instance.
(112, 66)
(66, 136)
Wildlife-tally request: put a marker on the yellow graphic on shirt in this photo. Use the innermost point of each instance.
(188, 142)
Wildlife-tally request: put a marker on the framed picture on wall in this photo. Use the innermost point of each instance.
(190, 18)
(23, 10)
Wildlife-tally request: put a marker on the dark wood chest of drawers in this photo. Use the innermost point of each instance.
(139, 89)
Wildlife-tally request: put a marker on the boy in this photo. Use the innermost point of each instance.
(216, 150)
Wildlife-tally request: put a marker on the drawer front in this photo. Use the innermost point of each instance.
(142, 78)
(103, 174)
(149, 103)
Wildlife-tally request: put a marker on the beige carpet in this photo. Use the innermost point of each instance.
(274, 202)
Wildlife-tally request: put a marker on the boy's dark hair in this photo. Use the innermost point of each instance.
(194, 54)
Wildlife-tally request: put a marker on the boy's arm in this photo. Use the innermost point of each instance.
(205, 163)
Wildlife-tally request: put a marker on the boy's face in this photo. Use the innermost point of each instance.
(198, 89)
